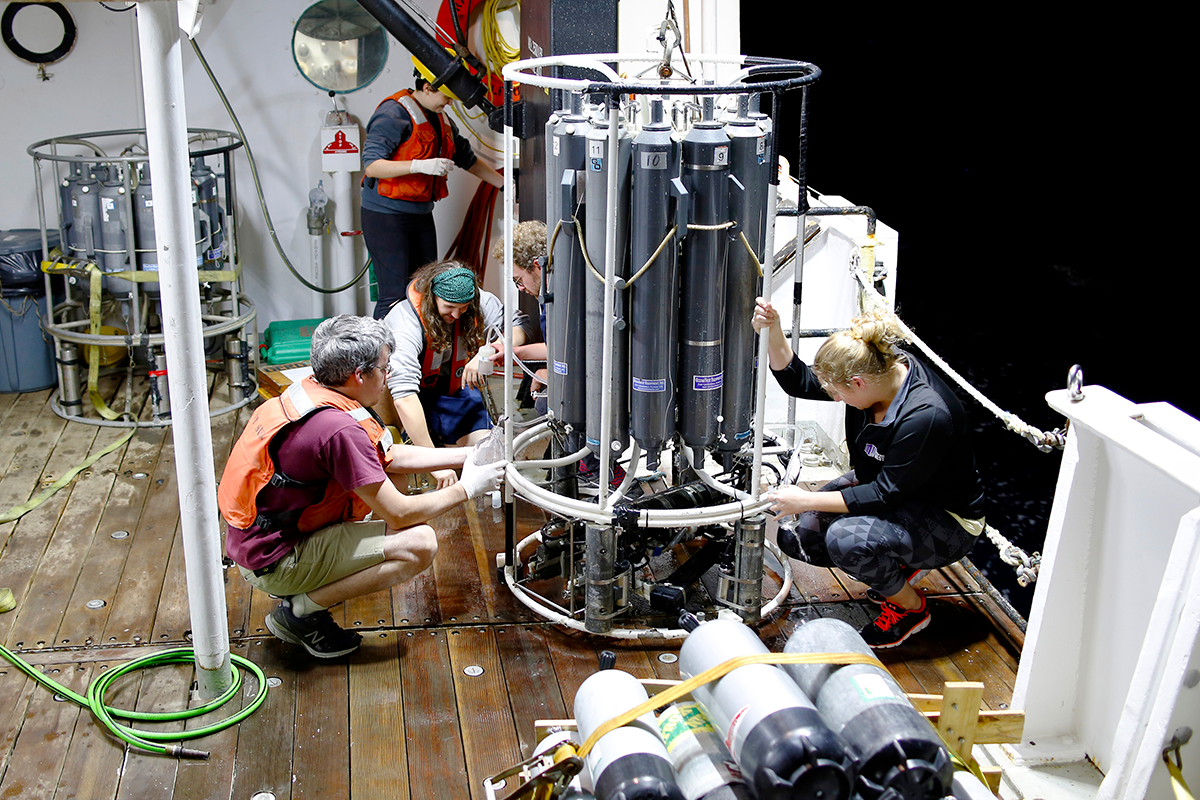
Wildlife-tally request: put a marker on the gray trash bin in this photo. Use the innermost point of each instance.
(26, 352)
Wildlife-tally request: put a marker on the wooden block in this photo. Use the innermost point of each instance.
(960, 715)
(533, 691)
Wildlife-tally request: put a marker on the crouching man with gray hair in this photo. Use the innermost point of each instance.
(310, 468)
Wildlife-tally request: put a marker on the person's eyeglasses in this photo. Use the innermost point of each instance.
(387, 368)
(519, 281)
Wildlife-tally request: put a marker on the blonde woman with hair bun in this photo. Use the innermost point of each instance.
(912, 500)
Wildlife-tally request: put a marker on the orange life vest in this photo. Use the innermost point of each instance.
(252, 467)
(431, 369)
(423, 143)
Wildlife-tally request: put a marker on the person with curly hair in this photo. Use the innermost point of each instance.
(913, 500)
(529, 256)
(439, 327)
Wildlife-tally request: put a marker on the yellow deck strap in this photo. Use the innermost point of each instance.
(959, 762)
(16, 512)
(95, 280)
(1178, 784)
(680, 689)
(151, 276)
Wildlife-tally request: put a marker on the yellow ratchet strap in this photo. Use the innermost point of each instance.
(672, 694)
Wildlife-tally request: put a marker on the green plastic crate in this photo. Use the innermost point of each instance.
(289, 340)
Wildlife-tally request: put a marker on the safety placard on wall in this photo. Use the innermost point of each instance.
(340, 151)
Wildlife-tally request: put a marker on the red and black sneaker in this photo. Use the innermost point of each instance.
(912, 576)
(895, 624)
(590, 466)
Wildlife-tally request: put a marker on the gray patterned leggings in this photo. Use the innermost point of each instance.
(874, 549)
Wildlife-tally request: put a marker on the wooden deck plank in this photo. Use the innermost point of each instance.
(15, 691)
(575, 659)
(164, 688)
(489, 735)
(436, 765)
(533, 691)
(455, 568)
(100, 573)
(212, 778)
(171, 618)
(42, 607)
(41, 604)
(265, 739)
(321, 751)
(131, 618)
(487, 534)
(367, 612)
(378, 752)
(96, 758)
(23, 541)
(40, 751)
(416, 603)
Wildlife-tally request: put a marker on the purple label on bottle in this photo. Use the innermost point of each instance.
(560, 368)
(707, 383)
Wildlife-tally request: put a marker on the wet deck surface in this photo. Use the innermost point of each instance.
(400, 718)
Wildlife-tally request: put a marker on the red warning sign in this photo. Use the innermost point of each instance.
(340, 145)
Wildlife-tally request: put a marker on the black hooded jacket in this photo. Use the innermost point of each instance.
(920, 451)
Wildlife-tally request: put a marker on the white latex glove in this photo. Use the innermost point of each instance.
(431, 166)
(480, 478)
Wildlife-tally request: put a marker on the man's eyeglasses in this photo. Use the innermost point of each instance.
(387, 368)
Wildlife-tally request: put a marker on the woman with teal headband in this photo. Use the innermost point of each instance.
(434, 381)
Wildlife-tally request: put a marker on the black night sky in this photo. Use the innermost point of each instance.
(1034, 168)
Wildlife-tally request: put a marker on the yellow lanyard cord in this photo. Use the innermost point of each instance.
(680, 689)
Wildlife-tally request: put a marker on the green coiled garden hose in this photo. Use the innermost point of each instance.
(148, 740)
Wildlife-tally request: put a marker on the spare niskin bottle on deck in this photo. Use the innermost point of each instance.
(631, 762)
(900, 755)
(775, 734)
(705, 767)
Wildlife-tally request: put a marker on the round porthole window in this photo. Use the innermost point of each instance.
(40, 33)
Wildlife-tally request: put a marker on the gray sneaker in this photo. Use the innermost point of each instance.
(318, 633)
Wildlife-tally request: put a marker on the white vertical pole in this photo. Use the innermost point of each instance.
(610, 271)
(317, 273)
(166, 138)
(708, 37)
(343, 246)
(763, 358)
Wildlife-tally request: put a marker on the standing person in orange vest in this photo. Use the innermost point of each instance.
(434, 382)
(309, 469)
(410, 148)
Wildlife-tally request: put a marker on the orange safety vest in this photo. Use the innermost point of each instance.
(431, 371)
(423, 143)
(252, 464)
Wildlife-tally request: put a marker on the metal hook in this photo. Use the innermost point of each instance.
(1179, 738)
(1075, 383)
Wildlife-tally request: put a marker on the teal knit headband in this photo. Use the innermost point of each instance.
(455, 285)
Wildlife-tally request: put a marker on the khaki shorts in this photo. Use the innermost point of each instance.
(325, 556)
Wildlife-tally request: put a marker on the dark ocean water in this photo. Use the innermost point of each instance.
(1034, 169)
